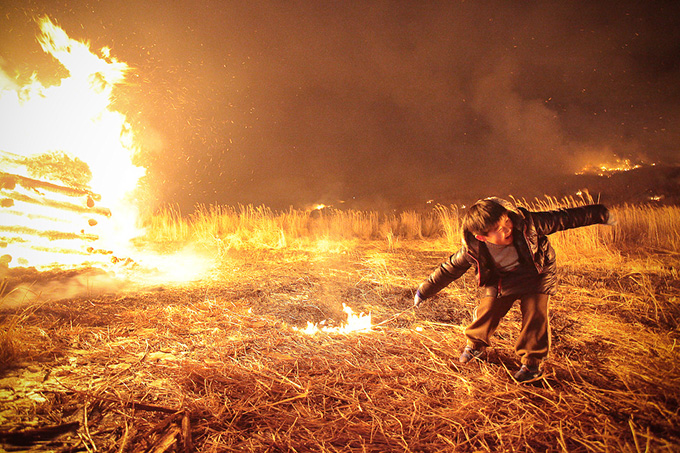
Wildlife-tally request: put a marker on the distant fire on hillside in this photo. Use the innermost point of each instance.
(609, 168)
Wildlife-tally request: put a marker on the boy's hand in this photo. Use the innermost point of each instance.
(611, 219)
(417, 300)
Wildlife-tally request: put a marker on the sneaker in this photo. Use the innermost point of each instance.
(470, 353)
(528, 373)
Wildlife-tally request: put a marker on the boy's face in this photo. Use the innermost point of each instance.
(499, 234)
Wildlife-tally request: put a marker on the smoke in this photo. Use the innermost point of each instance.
(295, 103)
(522, 132)
(26, 286)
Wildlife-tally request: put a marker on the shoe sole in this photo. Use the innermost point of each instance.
(472, 357)
(529, 381)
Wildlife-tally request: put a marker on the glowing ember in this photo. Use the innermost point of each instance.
(354, 323)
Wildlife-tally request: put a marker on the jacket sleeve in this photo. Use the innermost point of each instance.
(548, 222)
(451, 269)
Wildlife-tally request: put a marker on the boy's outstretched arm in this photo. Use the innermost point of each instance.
(451, 269)
(548, 222)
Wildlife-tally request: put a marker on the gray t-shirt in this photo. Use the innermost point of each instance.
(505, 256)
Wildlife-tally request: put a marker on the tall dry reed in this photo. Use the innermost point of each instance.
(639, 227)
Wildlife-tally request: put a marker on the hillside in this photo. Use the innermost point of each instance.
(650, 184)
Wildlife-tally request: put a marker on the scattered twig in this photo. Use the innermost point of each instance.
(129, 404)
(123, 442)
(166, 441)
(32, 435)
(87, 429)
(187, 442)
(392, 318)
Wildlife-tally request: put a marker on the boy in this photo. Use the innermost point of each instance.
(513, 259)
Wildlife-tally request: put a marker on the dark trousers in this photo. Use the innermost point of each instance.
(533, 343)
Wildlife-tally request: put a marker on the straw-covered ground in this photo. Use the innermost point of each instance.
(216, 365)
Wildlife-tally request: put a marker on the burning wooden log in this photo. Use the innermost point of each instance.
(10, 181)
(57, 204)
(32, 436)
(52, 177)
(46, 201)
(55, 166)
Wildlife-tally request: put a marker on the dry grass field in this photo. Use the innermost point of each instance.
(219, 365)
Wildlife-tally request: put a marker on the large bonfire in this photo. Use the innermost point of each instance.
(68, 173)
(70, 185)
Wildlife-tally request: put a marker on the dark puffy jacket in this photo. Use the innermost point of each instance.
(537, 271)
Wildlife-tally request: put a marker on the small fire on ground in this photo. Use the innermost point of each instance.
(355, 323)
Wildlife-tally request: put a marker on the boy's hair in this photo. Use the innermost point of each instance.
(482, 216)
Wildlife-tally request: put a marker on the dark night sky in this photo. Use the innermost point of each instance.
(383, 103)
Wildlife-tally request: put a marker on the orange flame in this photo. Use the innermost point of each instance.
(607, 169)
(67, 176)
(67, 171)
(355, 323)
